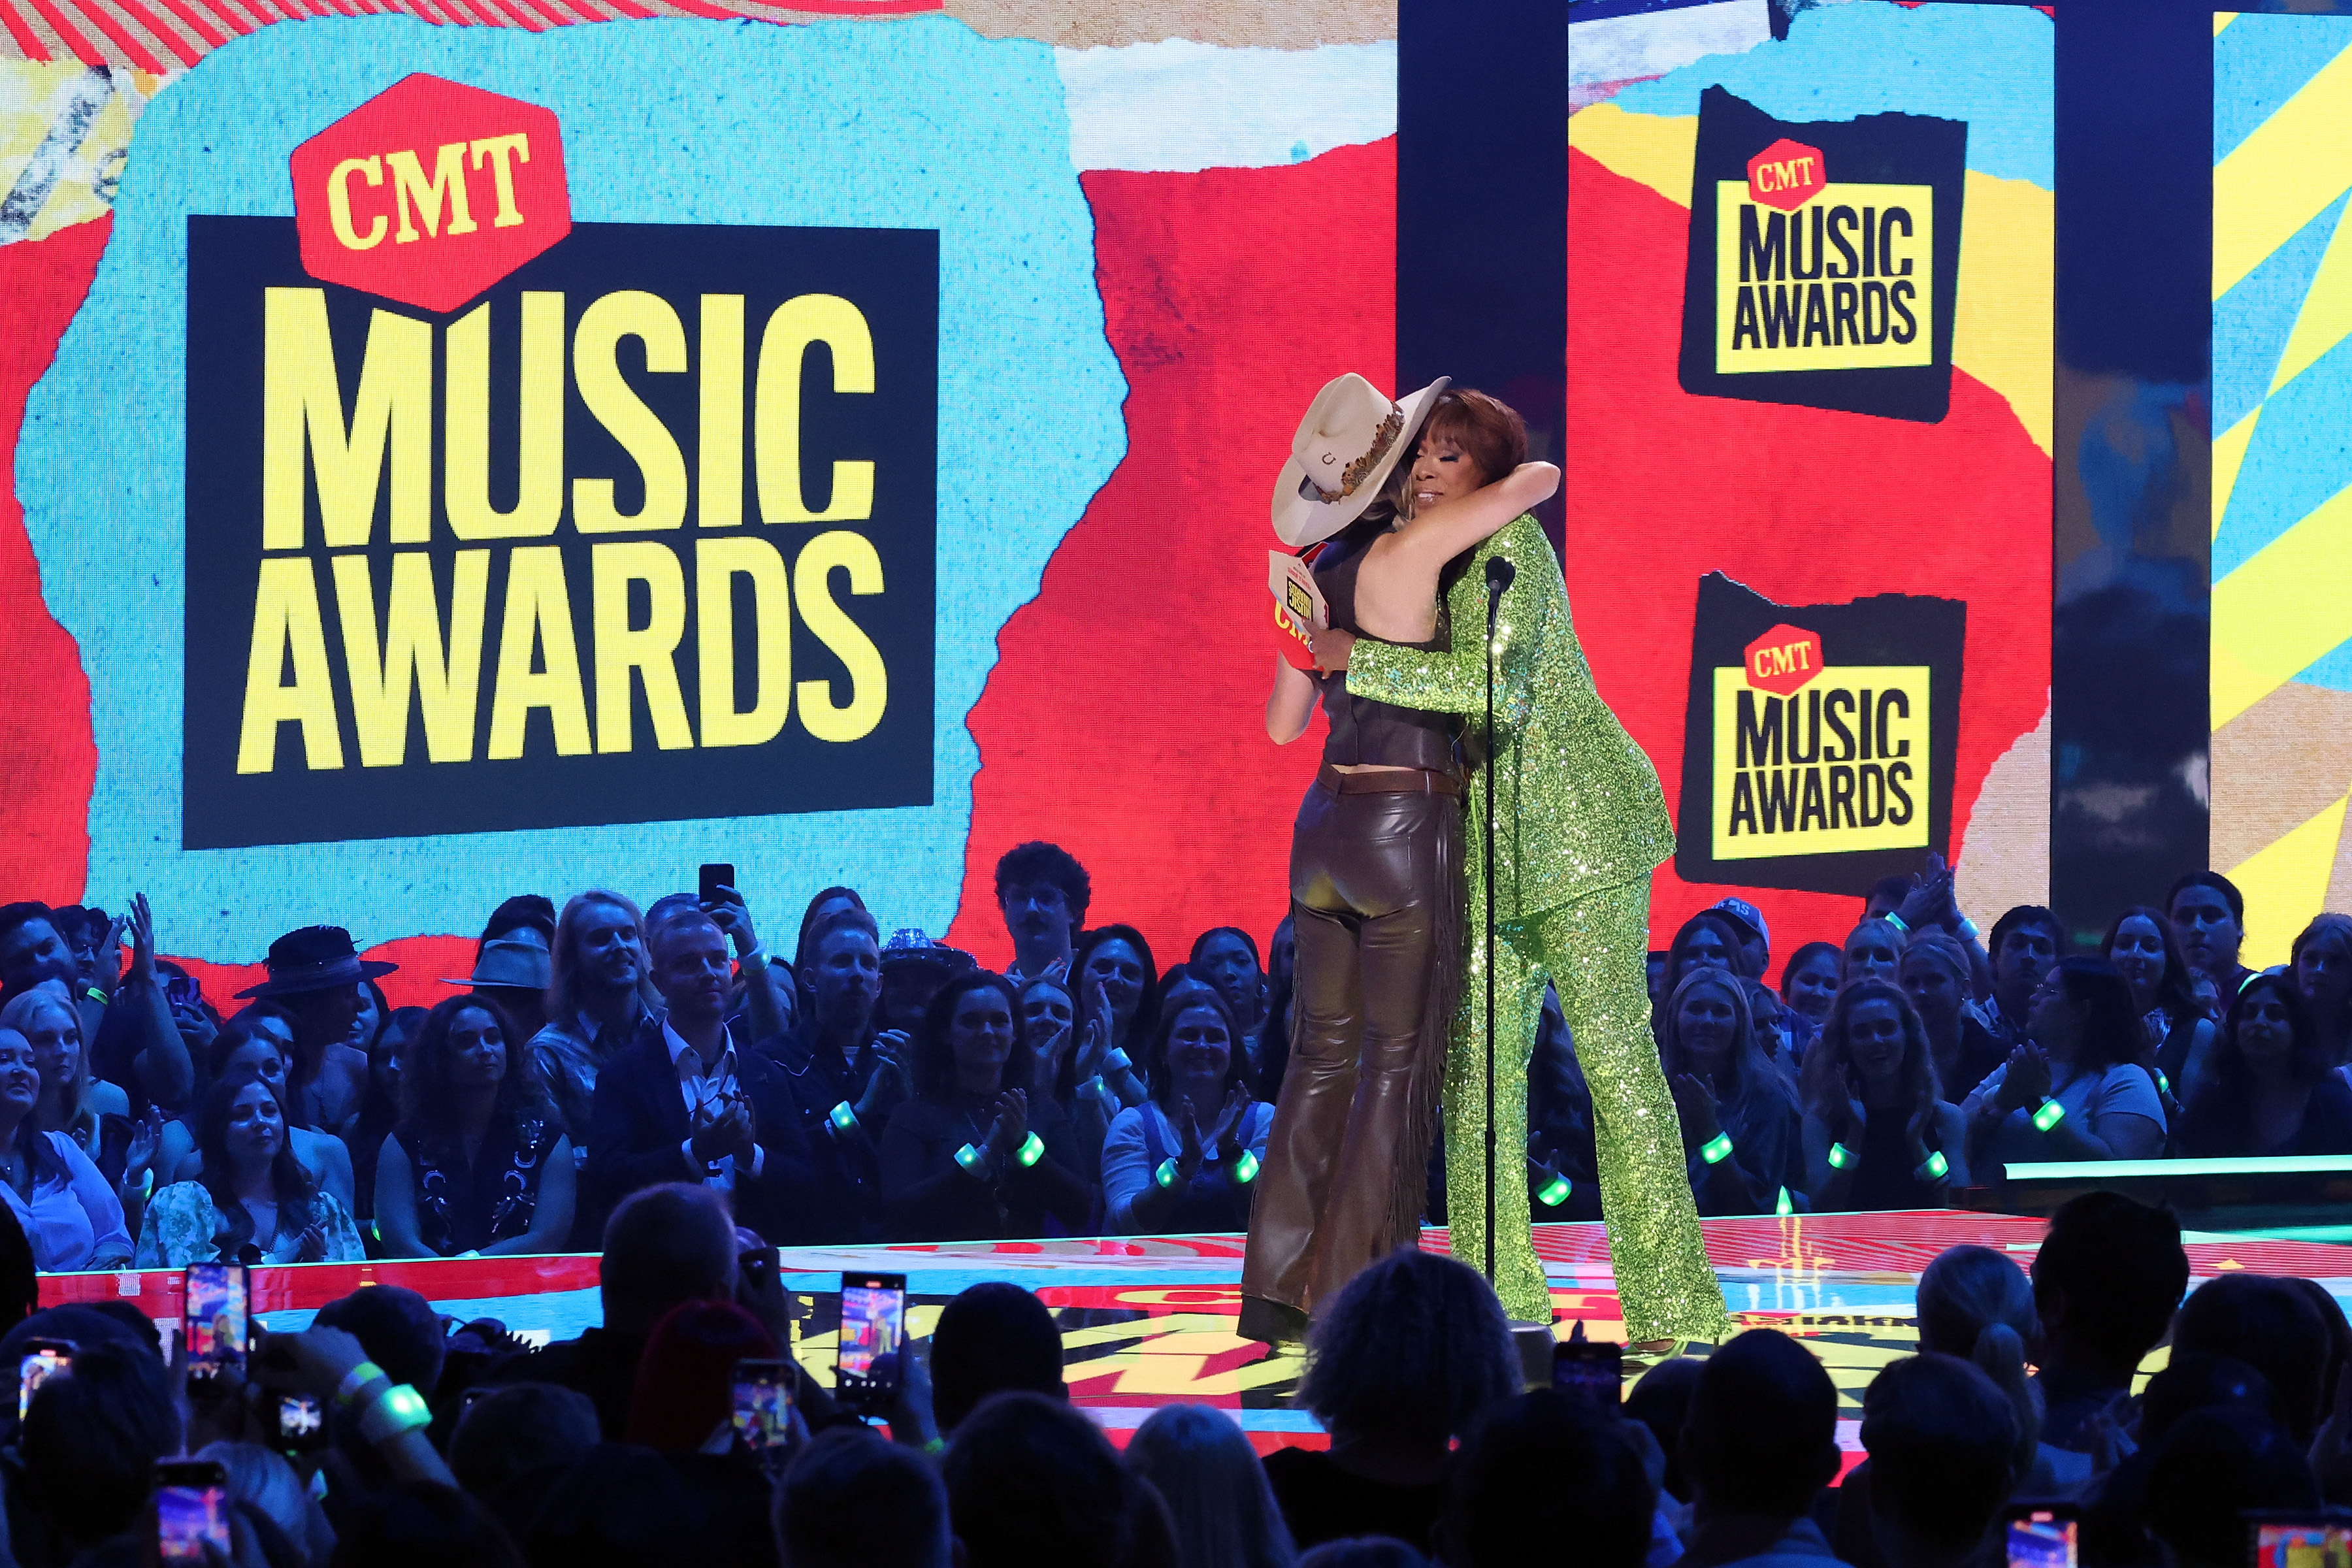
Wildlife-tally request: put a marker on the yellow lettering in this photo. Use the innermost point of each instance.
(538, 610)
(339, 202)
(595, 364)
(715, 563)
(302, 402)
(720, 479)
(539, 490)
(504, 152)
(813, 591)
(776, 418)
(409, 184)
(651, 651)
(445, 688)
(286, 620)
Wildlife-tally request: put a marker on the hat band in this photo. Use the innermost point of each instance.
(1354, 474)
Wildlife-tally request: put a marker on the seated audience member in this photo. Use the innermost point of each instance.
(1043, 893)
(1872, 951)
(2115, 1504)
(2074, 1090)
(69, 1212)
(2210, 914)
(2271, 1326)
(1118, 1010)
(1887, 896)
(914, 967)
(245, 1050)
(129, 1034)
(2146, 951)
(396, 1328)
(1934, 974)
(1185, 1162)
(1743, 1138)
(514, 972)
(1543, 1469)
(1031, 1481)
(380, 1112)
(682, 1102)
(527, 916)
(2321, 963)
(820, 911)
(2213, 1467)
(1401, 1363)
(260, 1482)
(2025, 942)
(1204, 1469)
(2268, 1089)
(315, 974)
(1281, 986)
(684, 1407)
(478, 1166)
(600, 996)
(1809, 981)
(1784, 1032)
(414, 1523)
(847, 1077)
(1048, 1023)
(89, 1450)
(1942, 1442)
(1562, 1161)
(516, 1429)
(1977, 1304)
(252, 1201)
(1227, 960)
(972, 1157)
(663, 1246)
(95, 1114)
(1661, 1402)
(993, 1338)
(2107, 1277)
(1760, 1444)
(1877, 1135)
(851, 1500)
(1709, 940)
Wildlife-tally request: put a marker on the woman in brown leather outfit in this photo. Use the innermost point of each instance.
(1375, 881)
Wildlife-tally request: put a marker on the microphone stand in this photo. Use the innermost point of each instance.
(1499, 572)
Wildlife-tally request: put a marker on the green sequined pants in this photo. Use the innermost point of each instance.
(1594, 952)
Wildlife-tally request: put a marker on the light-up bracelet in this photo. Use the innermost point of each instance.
(1166, 1175)
(1935, 1168)
(2049, 1116)
(1555, 1192)
(1716, 1149)
(972, 1159)
(358, 1378)
(1839, 1156)
(397, 1409)
(1032, 1150)
(1785, 1206)
(842, 1119)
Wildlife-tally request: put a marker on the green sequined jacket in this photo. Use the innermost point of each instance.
(1578, 801)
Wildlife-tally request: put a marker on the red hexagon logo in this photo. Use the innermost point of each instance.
(1783, 659)
(430, 192)
(1787, 174)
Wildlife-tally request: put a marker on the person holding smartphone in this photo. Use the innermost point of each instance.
(1878, 1134)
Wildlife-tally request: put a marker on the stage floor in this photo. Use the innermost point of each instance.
(1149, 1321)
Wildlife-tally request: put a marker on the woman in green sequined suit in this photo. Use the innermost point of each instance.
(1580, 823)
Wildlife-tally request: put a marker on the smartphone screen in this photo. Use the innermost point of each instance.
(763, 1405)
(191, 1508)
(43, 1359)
(714, 877)
(302, 1424)
(873, 1326)
(2041, 1537)
(2285, 1540)
(214, 1311)
(1591, 1370)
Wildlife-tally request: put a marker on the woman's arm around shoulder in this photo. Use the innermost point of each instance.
(1450, 527)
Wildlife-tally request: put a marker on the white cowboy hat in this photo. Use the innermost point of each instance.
(1347, 445)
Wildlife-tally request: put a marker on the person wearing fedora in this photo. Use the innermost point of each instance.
(1375, 876)
(1580, 823)
(513, 971)
(315, 974)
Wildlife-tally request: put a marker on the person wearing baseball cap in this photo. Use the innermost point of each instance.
(315, 973)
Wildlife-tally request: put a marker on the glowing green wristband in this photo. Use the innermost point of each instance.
(1716, 1149)
(1935, 1168)
(843, 1118)
(1032, 1150)
(1166, 1175)
(2051, 1114)
(1784, 1205)
(1555, 1192)
(1245, 1169)
(1839, 1156)
(972, 1159)
(358, 1378)
(1897, 922)
(2163, 1084)
(397, 1410)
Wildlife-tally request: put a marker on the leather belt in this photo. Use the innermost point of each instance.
(1389, 781)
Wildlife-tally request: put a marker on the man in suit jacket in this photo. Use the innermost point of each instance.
(682, 1103)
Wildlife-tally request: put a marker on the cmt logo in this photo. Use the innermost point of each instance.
(1783, 659)
(430, 192)
(1787, 174)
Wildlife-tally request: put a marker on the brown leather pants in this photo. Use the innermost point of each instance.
(1375, 886)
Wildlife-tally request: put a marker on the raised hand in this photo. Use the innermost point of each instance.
(1011, 1119)
(143, 938)
(1694, 1102)
(146, 1142)
(730, 914)
(1189, 1154)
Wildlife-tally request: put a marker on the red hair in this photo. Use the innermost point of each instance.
(686, 1379)
(1488, 428)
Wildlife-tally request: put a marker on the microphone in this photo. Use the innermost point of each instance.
(1499, 573)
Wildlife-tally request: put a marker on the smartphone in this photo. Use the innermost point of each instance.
(2300, 1539)
(191, 1509)
(43, 1359)
(302, 1424)
(763, 1406)
(213, 1319)
(1591, 1370)
(873, 1328)
(713, 878)
(2043, 1535)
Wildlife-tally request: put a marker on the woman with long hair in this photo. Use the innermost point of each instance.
(1742, 1133)
(478, 1166)
(1934, 974)
(1186, 1160)
(2271, 1090)
(1203, 1468)
(2321, 963)
(1580, 824)
(1808, 981)
(974, 1155)
(1878, 1134)
(2073, 1090)
(601, 989)
(1872, 949)
(254, 1203)
(1709, 940)
(246, 1049)
(1118, 990)
(2146, 952)
(69, 1213)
